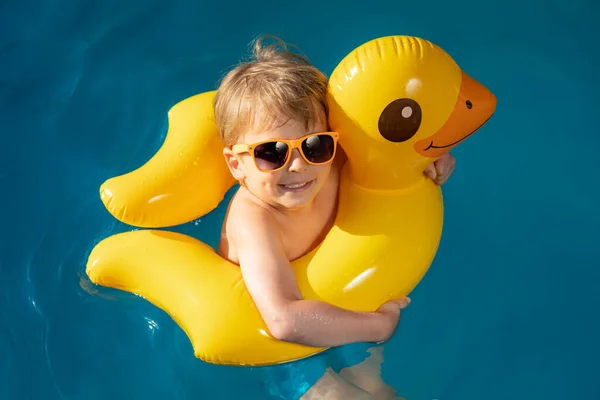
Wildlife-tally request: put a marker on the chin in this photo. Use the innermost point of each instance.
(294, 204)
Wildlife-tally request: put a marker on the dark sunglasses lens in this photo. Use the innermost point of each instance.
(271, 155)
(318, 149)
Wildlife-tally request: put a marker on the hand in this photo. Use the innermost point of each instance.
(391, 312)
(441, 169)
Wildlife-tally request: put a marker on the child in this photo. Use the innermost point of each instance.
(287, 199)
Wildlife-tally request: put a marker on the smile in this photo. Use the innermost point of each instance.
(296, 187)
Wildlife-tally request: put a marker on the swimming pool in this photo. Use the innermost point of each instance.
(507, 309)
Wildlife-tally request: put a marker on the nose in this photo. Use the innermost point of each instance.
(297, 163)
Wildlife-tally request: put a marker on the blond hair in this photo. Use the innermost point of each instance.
(267, 91)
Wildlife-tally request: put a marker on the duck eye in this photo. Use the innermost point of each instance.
(469, 104)
(400, 120)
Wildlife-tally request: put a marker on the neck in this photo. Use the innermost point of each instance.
(297, 212)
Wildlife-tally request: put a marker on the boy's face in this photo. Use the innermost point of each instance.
(291, 187)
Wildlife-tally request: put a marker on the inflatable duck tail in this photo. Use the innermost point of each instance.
(164, 191)
(203, 293)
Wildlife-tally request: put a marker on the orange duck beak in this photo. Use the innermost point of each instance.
(474, 106)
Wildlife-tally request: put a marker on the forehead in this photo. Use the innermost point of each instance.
(291, 129)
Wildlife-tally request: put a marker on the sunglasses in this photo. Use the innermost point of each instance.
(273, 155)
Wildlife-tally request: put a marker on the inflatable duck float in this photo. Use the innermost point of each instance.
(398, 103)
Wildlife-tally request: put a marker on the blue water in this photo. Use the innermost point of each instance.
(508, 309)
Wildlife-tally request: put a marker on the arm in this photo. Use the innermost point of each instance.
(270, 279)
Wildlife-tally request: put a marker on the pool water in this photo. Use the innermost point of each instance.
(508, 310)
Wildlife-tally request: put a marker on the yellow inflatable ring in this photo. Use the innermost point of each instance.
(398, 102)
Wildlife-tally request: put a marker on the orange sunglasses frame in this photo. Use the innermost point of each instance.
(291, 144)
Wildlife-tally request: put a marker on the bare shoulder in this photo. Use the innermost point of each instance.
(244, 220)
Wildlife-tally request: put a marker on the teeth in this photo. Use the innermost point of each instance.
(295, 185)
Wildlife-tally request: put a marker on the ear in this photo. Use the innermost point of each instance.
(234, 163)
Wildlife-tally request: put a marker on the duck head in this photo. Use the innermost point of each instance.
(399, 103)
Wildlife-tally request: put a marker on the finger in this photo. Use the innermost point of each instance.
(445, 166)
(431, 171)
(450, 165)
(443, 177)
(403, 303)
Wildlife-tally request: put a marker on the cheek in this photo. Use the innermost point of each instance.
(323, 171)
(266, 180)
